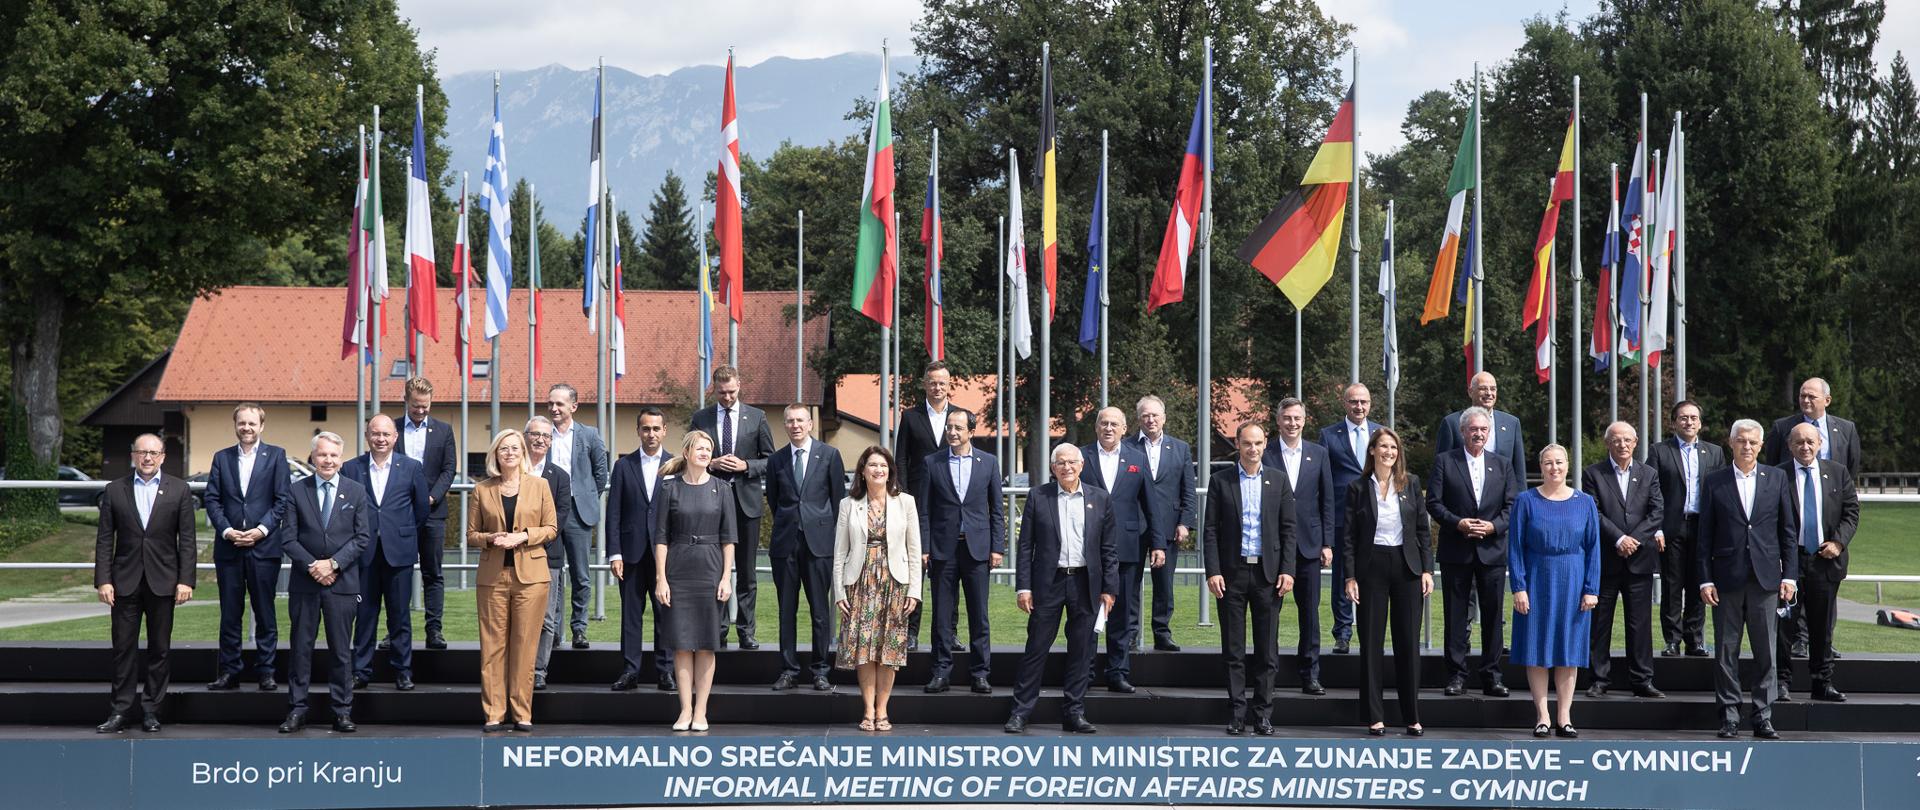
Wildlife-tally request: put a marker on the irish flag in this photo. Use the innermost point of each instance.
(875, 262)
(1458, 184)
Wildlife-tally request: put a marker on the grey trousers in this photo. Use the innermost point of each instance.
(550, 626)
(1749, 607)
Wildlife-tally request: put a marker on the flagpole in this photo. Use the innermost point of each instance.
(1104, 303)
(373, 387)
(1479, 225)
(706, 360)
(1000, 387)
(360, 313)
(1299, 368)
(533, 294)
(1013, 332)
(1354, 231)
(1614, 349)
(598, 237)
(1659, 379)
(800, 308)
(893, 392)
(1679, 261)
(1393, 273)
(1646, 209)
(463, 344)
(1045, 425)
(493, 348)
(1579, 275)
(1203, 444)
(1553, 351)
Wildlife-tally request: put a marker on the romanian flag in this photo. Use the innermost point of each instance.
(1295, 246)
(1458, 184)
(874, 262)
(1049, 206)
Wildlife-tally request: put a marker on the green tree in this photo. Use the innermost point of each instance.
(667, 253)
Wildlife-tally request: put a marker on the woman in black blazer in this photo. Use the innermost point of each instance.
(1389, 558)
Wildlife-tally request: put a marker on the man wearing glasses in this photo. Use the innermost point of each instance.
(1346, 443)
(143, 565)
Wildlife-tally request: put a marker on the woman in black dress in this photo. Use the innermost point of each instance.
(693, 530)
(1389, 559)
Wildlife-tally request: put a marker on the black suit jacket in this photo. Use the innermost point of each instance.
(804, 511)
(1508, 442)
(263, 506)
(1039, 548)
(630, 508)
(1130, 495)
(1841, 433)
(1637, 513)
(1363, 518)
(437, 462)
(395, 520)
(752, 445)
(914, 439)
(1277, 525)
(1450, 499)
(1735, 548)
(1670, 466)
(560, 485)
(159, 555)
(1839, 517)
(1313, 497)
(943, 513)
(344, 539)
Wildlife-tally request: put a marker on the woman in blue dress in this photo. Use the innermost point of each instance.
(1553, 566)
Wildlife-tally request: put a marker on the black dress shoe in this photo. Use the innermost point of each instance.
(1566, 730)
(1015, 725)
(1077, 724)
(359, 682)
(580, 641)
(524, 728)
(959, 647)
(1377, 731)
(1827, 693)
(1165, 645)
(1763, 730)
(1263, 728)
(1729, 731)
(225, 682)
(344, 724)
(1120, 685)
(1698, 652)
(1598, 690)
(150, 724)
(1541, 730)
(556, 641)
(749, 644)
(1648, 691)
(539, 682)
(937, 685)
(115, 724)
(1341, 647)
(384, 645)
(1786, 696)
(783, 683)
(1236, 727)
(667, 684)
(494, 728)
(1416, 731)
(1455, 688)
(627, 681)
(268, 684)
(1671, 650)
(435, 641)
(1799, 649)
(403, 683)
(1496, 689)
(1836, 655)
(1313, 688)
(821, 684)
(296, 720)
(981, 687)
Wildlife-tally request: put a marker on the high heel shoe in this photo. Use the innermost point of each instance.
(682, 725)
(1416, 731)
(1377, 731)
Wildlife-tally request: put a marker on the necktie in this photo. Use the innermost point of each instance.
(1360, 443)
(1809, 513)
(726, 431)
(799, 465)
(326, 503)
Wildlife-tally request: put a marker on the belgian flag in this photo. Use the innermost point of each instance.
(1295, 246)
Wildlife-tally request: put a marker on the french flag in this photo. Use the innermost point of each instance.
(421, 306)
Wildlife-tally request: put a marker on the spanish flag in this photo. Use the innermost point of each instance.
(1295, 246)
(1540, 285)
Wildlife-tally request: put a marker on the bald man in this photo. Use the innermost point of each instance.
(1829, 509)
(1346, 443)
(1504, 441)
(1632, 509)
(1839, 443)
(398, 487)
(1122, 470)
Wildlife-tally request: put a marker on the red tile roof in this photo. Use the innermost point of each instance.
(282, 344)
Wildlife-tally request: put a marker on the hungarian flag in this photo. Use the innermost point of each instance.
(1633, 271)
(934, 239)
(1049, 207)
(1660, 259)
(351, 334)
(463, 287)
(1170, 272)
(874, 262)
(1600, 344)
(1458, 184)
(422, 309)
(1295, 246)
(726, 206)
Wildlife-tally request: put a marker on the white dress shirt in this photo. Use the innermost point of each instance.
(938, 421)
(377, 477)
(1152, 446)
(1477, 472)
(1623, 475)
(245, 456)
(1109, 464)
(1387, 527)
(144, 492)
(561, 453)
(413, 439)
(1290, 459)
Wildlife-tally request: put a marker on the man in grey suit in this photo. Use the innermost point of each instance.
(1311, 479)
(579, 450)
(1839, 443)
(1122, 470)
(1682, 461)
(539, 436)
(1346, 443)
(1628, 496)
(1504, 440)
(742, 444)
(331, 518)
(1170, 466)
(805, 483)
(1749, 563)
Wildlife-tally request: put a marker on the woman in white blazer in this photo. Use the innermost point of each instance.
(876, 580)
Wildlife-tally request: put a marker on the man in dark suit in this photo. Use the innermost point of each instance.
(1310, 476)
(964, 528)
(1631, 509)
(742, 444)
(1748, 564)
(1504, 440)
(247, 491)
(331, 525)
(539, 436)
(1068, 538)
(1122, 471)
(1682, 461)
(430, 442)
(1170, 467)
(922, 431)
(636, 476)
(1839, 442)
(143, 566)
(396, 489)
(1346, 443)
(806, 482)
(1248, 549)
(1468, 495)
(1829, 514)
(579, 451)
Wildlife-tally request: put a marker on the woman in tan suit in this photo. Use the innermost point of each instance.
(876, 556)
(511, 519)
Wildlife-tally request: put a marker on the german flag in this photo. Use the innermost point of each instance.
(1295, 246)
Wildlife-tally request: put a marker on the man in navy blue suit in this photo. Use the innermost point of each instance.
(1504, 440)
(805, 484)
(1122, 470)
(1310, 475)
(1170, 469)
(1068, 540)
(1346, 443)
(329, 526)
(246, 498)
(397, 493)
(1469, 495)
(964, 527)
(636, 477)
(1749, 564)
(430, 442)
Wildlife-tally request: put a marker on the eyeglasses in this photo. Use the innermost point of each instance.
(149, 453)
(532, 435)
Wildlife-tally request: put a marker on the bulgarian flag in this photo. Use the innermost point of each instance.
(874, 262)
(1295, 246)
(1458, 184)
